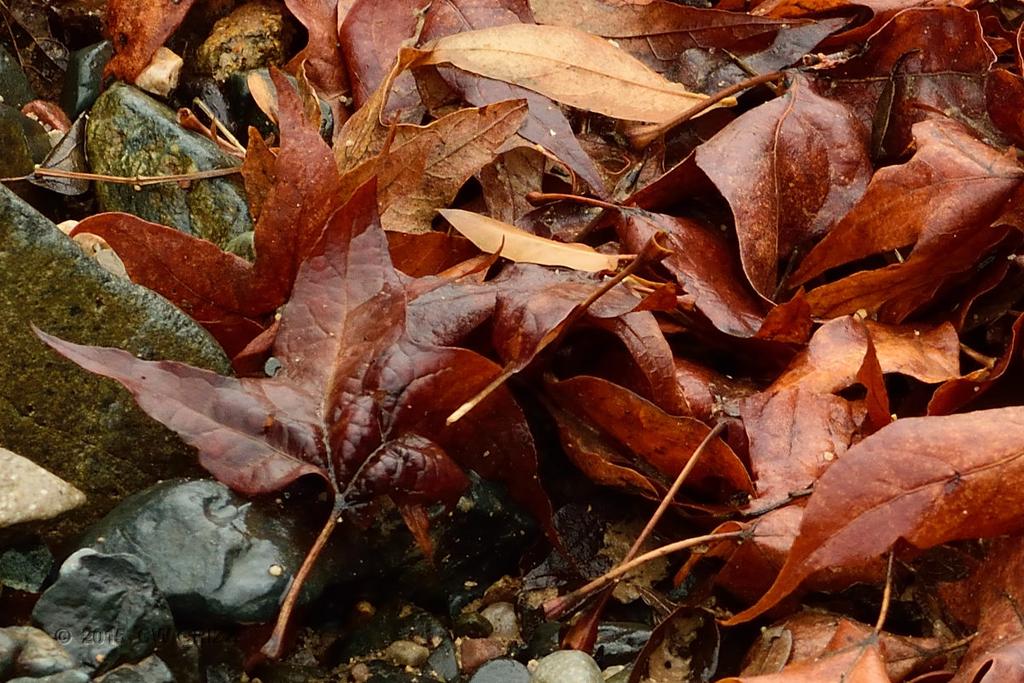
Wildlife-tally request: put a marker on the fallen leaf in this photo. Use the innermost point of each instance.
(800, 426)
(660, 441)
(495, 237)
(426, 165)
(790, 169)
(322, 57)
(926, 480)
(546, 59)
(953, 181)
(138, 31)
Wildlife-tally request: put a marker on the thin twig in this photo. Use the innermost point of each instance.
(139, 180)
(886, 597)
(670, 496)
(558, 606)
(274, 646)
(541, 198)
(641, 136)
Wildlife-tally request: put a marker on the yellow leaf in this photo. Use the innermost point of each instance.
(567, 65)
(517, 245)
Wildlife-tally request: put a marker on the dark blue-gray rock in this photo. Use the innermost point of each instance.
(131, 134)
(149, 670)
(83, 80)
(567, 666)
(620, 642)
(248, 113)
(217, 557)
(25, 566)
(24, 143)
(254, 35)
(215, 102)
(82, 428)
(35, 653)
(105, 609)
(501, 671)
(14, 87)
(70, 676)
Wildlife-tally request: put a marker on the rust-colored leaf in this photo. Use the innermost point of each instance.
(926, 481)
(789, 169)
(137, 31)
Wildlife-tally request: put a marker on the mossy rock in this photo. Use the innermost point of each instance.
(131, 134)
(85, 429)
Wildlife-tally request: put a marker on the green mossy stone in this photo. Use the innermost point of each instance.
(131, 134)
(24, 143)
(83, 428)
(14, 87)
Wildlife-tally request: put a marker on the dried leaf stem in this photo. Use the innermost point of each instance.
(660, 512)
(642, 135)
(883, 612)
(274, 647)
(140, 180)
(560, 605)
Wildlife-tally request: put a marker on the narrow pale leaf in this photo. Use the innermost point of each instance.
(518, 245)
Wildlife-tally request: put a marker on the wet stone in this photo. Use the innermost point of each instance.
(24, 142)
(25, 566)
(105, 609)
(149, 670)
(567, 666)
(84, 78)
(35, 652)
(620, 642)
(131, 134)
(501, 671)
(82, 428)
(407, 653)
(248, 113)
(8, 648)
(71, 676)
(217, 557)
(14, 87)
(254, 35)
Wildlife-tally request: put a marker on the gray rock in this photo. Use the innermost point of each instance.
(407, 653)
(105, 609)
(567, 666)
(36, 653)
(70, 676)
(26, 566)
(620, 642)
(84, 429)
(23, 141)
(84, 78)
(129, 134)
(501, 671)
(216, 556)
(254, 35)
(149, 670)
(8, 649)
(503, 619)
(14, 87)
